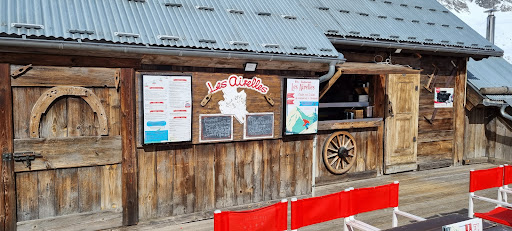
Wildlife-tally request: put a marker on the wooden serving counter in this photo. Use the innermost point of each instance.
(348, 124)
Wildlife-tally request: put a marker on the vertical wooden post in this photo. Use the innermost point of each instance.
(379, 91)
(7, 182)
(458, 104)
(129, 165)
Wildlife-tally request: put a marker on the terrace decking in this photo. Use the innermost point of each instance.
(428, 194)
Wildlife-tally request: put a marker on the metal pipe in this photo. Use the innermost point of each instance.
(121, 48)
(412, 46)
(504, 113)
(491, 25)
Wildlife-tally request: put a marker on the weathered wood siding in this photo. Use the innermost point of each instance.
(369, 157)
(488, 136)
(177, 180)
(80, 171)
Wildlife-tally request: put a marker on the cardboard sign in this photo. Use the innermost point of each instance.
(469, 225)
(259, 125)
(215, 127)
(302, 106)
(443, 97)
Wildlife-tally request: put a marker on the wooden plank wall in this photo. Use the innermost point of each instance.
(177, 180)
(488, 136)
(367, 163)
(68, 130)
(435, 141)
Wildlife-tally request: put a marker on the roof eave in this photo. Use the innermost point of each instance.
(470, 52)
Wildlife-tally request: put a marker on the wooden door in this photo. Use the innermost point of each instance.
(71, 117)
(401, 123)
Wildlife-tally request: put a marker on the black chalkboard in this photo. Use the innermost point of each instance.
(216, 127)
(259, 126)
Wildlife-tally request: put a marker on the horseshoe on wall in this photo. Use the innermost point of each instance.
(47, 98)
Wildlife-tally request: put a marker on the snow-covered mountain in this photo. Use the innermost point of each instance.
(472, 13)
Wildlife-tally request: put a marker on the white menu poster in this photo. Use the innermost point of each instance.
(302, 106)
(167, 108)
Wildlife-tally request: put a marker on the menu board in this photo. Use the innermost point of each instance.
(215, 127)
(167, 108)
(302, 106)
(259, 125)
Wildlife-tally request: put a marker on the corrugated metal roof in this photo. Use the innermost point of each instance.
(490, 72)
(417, 21)
(271, 26)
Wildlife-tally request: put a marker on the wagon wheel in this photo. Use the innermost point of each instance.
(339, 152)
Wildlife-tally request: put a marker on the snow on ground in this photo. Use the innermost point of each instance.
(477, 19)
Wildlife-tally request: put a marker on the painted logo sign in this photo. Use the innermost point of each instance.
(238, 82)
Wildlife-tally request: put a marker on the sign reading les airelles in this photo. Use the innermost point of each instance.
(238, 81)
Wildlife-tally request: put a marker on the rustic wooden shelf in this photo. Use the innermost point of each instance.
(347, 124)
(344, 104)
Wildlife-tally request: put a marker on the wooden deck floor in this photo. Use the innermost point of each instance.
(428, 194)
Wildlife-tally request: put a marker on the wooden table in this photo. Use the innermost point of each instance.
(438, 222)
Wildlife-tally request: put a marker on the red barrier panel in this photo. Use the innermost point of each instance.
(508, 175)
(270, 218)
(373, 198)
(485, 178)
(320, 209)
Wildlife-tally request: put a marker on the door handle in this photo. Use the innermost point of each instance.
(390, 109)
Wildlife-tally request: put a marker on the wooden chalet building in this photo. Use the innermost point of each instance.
(116, 112)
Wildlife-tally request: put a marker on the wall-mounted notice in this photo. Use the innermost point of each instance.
(443, 97)
(259, 125)
(215, 127)
(302, 106)
(167, 108)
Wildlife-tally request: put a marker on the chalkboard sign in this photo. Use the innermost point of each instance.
(215, 127)
(259, 125)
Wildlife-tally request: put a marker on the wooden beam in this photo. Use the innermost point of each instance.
(375, 69)
(129, 165)
(459, 113)
(7, 185)
(66, 60)
(349, 124)
(68, 152)
(50, 76)
(331, 82)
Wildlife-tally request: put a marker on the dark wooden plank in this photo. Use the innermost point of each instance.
(164, 181)
(27, 202)
(21, 58)
(184, 185)
(54, 122)
(50, 76)
(24, 99)
(256, 147)
(47, 194)
(224, 175)
(147, 183)
(205, 177)
(129, 154)
(8, 185)
(70, 152)
(244, 173)
(114, 119)
(286, 162)
(89, 189)
(66, 187)
(300, 167)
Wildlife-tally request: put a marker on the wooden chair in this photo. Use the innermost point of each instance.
(270, 218)
(375, 198)
(316, 210)
(487, 179)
